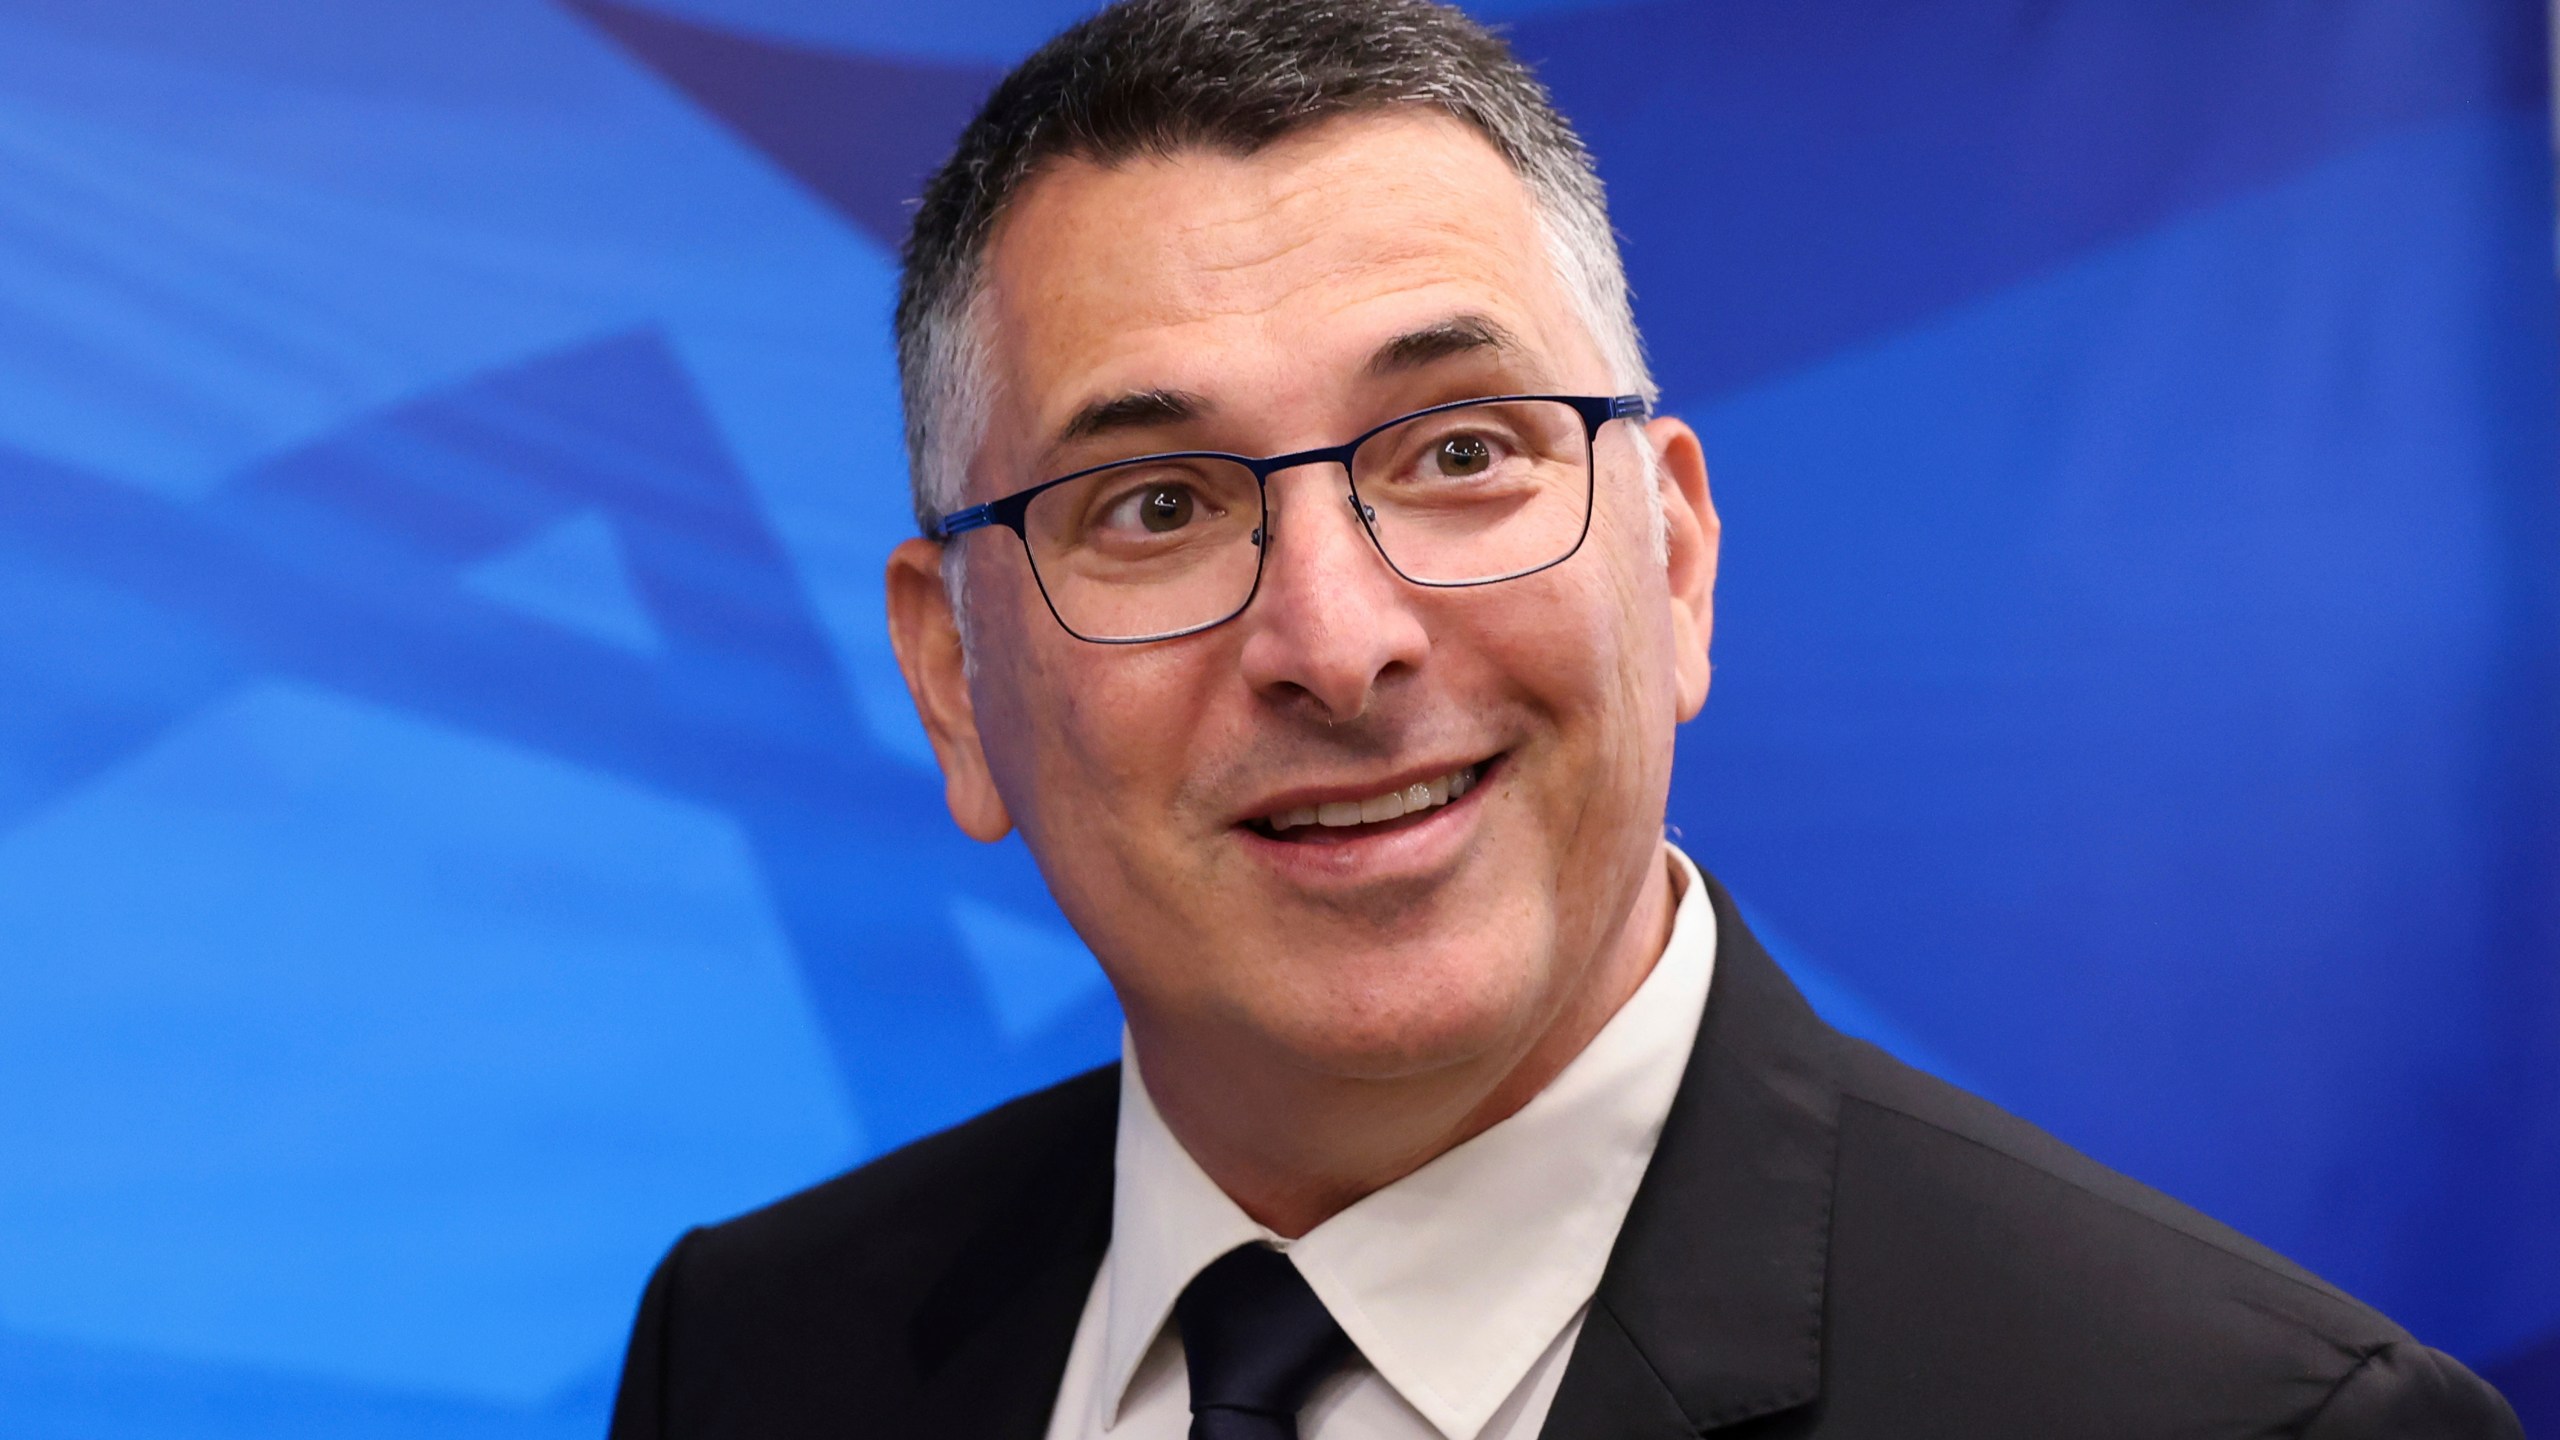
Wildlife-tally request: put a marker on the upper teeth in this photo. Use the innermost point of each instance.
(1420, 795)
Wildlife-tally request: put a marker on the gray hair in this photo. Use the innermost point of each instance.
(1153, 77)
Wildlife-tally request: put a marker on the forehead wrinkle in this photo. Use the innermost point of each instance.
(1256, 235)
(1346, 242)
(1414, 278)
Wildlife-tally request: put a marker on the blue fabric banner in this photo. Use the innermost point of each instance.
(460, 822)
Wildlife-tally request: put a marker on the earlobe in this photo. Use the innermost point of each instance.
(926, 635)
(1692, 536)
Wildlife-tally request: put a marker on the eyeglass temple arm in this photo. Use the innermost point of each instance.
(960, 522)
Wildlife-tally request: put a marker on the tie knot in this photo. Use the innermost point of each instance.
(1257, 1341)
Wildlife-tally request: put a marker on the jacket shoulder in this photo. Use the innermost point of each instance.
(1999, 1267)
(1898, 1095)
(835, 1301)
(879, 1213)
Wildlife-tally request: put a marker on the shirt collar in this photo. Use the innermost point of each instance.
(1453, 1280)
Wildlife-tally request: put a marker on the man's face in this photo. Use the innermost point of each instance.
(1293, 299)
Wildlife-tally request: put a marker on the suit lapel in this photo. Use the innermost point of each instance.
(991, 1340)
(1611, 1390)
(1710, 1310)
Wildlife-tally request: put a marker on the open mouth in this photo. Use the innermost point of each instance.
(1342, 820)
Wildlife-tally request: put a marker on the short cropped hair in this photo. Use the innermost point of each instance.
(1156, 77)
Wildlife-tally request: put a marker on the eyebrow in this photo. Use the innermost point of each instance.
(1410, 351)
(1135, 410)
(1441, 340)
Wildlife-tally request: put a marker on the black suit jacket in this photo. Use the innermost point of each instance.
(1828, 1243)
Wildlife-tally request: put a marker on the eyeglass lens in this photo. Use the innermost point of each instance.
(1463, 496)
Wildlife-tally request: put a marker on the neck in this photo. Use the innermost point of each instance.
(1293, 1147)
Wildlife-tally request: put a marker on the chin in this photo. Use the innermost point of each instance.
(1413, 1018)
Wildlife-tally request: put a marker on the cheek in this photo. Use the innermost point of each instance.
(1582, 645)
(1126, 725)
(1637, 603)
(1591, 651)
(1088, 743)
(1003, 678)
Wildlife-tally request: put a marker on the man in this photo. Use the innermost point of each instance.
(1305, 578)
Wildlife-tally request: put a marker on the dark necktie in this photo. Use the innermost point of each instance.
(1257, 1341)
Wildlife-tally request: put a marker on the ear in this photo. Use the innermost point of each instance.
(926, 634)
(1692, 534)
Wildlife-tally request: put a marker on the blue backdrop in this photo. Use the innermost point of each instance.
(459, 821)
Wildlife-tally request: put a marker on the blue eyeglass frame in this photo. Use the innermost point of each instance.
(1010, 511)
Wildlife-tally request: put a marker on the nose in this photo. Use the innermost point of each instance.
(1331, 622)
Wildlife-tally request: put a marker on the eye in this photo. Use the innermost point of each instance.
(1462, 455)
(1164, 507)
(1167, 506)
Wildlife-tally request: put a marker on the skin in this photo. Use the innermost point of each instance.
(1316, 1020)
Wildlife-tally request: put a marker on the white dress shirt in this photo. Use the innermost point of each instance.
(1463, 1284)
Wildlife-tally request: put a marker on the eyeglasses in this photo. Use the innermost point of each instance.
(1162, 546)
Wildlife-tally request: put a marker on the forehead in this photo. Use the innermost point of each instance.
(1267, 273)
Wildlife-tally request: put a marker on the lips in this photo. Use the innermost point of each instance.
(1327, 819)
